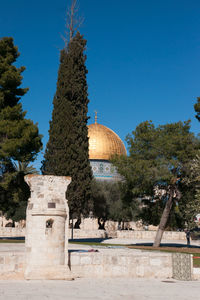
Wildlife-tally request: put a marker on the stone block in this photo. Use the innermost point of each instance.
(155, 262)
(74, 259)
(140, 270)
(196, 274)
(2, 260)
(114, 260)
(123, 260)
(97, 258)
(85, 259)
(182, 266)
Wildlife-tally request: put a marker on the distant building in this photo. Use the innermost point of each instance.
(103, 143)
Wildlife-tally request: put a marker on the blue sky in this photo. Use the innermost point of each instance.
(143, 58)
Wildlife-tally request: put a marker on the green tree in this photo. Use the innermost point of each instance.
(16, 191)
(19, 138)
(67, 149)
(109, 205)
(190, 206)
(156, 166)
(197, 108)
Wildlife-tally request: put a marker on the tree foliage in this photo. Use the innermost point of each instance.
(109, 205)
(67, 149)
(190, 206)
(156, 166)
(19, 138)
(197, 108)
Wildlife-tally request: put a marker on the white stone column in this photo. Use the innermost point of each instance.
(47, 217)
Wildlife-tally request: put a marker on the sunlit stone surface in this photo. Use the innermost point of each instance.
(47, 227)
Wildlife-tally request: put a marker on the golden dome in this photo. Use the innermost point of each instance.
(103, 142)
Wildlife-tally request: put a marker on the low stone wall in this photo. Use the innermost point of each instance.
(126, 234)
(133, 234)
(12, 232)
(116, 263)
(77, 233)
(196, 273)
(80, 233)
(12, 265)
(105, 263)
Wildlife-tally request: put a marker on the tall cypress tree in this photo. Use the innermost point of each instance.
(67, 149)
(19, 138)
(197, 108)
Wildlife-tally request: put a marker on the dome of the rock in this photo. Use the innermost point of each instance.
(103, 142)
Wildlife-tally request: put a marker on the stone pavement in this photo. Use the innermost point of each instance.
(149, 241)
(20, 247)
(100, 289)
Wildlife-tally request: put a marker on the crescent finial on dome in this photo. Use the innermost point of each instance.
(95, 117)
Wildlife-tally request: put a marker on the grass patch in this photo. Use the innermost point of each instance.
(196, 261)
(194, 251)
(188, 250)
(95, 244)
(11, 241)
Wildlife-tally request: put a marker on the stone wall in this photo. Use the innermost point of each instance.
(80, 233)
(133, 234)
(12, 265)
(196, 274)
(105, 263)
(12, 232)
(126, 234)
(119, 263)
(108, 263)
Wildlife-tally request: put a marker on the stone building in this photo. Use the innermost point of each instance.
(103, 143)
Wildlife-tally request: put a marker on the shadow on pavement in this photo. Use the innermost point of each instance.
(19, 238)
(167, 245)
(89, 240)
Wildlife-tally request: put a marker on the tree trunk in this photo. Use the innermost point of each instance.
(164, 219)
(77, 223)
(72, 237)
(101, 223)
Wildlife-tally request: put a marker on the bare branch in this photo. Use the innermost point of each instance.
(73, 22)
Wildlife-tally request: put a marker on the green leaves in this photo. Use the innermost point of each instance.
(109, 204)
(190, 204)
(67, 149)
(197, 108)
(159, 157)
(19, 137)
(10, 76)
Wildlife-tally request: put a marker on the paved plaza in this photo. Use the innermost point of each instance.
(100, 289)
(97, 288)
(20, 247)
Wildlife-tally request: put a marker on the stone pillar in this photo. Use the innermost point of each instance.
(47, 218)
